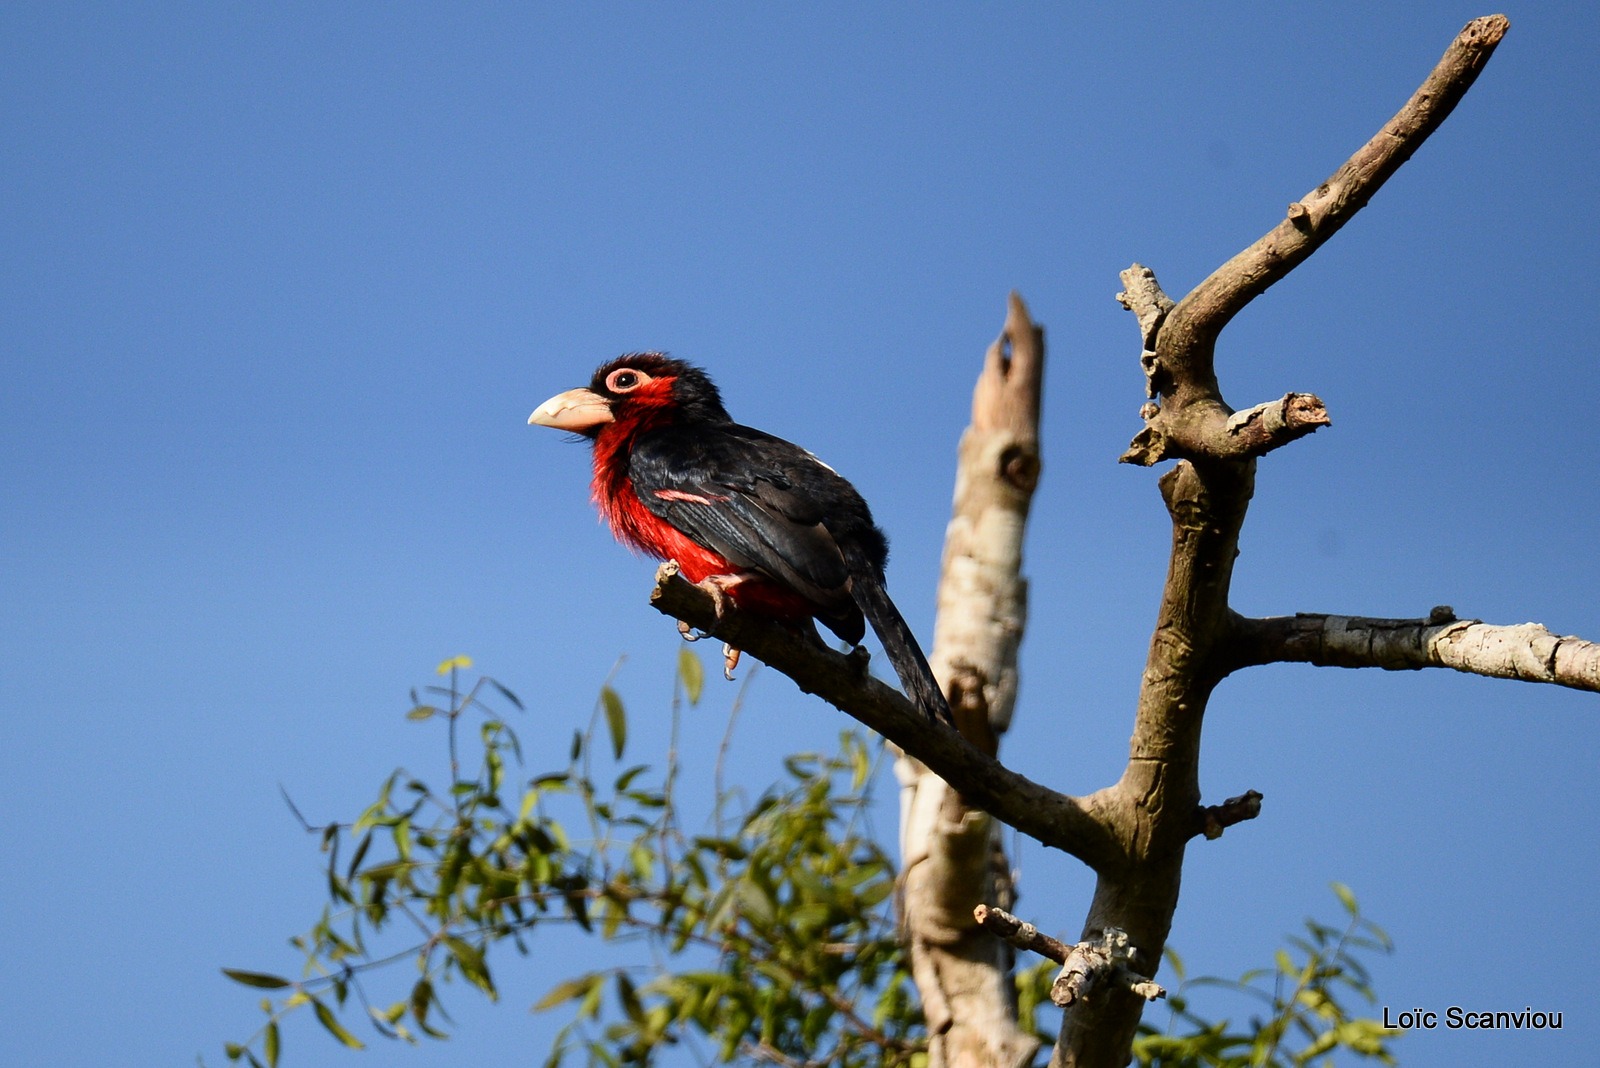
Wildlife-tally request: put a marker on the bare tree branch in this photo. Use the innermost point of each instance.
(1007, 927)
(1528, 652)
(1193, 421)
(1192, 327)
(1071, 824)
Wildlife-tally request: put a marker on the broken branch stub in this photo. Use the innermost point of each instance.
(1085, 965)
(1214, 819)
(1106, 963)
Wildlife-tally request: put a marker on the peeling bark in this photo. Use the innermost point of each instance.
(1528, 652)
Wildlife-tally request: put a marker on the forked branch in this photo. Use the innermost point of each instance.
(1193, 421)
(1198, 639)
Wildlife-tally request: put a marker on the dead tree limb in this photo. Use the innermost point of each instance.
(1192, 422)
(951, 852)
(1528, 653)
(1003, 925)
(1207, 495)
(1193, 326)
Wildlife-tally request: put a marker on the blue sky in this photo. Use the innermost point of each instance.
(282, 283)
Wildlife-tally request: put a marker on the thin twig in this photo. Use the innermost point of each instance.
(727, 739)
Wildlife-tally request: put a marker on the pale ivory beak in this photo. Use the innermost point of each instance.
(576, 409)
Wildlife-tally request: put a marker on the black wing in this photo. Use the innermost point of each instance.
(767, 505)
(761, 502)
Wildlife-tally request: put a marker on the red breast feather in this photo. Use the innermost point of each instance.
(613, 492)
(643, 532)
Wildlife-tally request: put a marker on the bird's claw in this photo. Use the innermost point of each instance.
(730, 660)
(688, 632)
(719, 595)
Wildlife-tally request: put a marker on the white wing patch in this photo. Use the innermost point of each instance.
(814, 456)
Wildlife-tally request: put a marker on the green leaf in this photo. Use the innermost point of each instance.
(271, 1044)
(421, 712)
(642, 860)
(567, 991)
(626, 778)
(421, 998)
(808, 919)
(454, 662)
(875, 893)
(1348, 898)
(616, 719)
(861, 767)
(331, 1022)
(258, 979)
(507, 694)
(360, 855)
(755, 901)
(470, 958)
(629, 997)
(591, 1000)
(693, 674)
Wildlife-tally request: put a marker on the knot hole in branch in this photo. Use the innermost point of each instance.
(1020, 466)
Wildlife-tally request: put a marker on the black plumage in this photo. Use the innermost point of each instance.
(762, 504)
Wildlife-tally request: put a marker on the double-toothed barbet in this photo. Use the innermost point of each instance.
(746, 515)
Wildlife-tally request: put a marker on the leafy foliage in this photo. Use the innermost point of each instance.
(781, 922)
(773, 934)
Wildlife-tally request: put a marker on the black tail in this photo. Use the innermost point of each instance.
(901, 645)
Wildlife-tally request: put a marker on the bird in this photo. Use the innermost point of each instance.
(749, 517)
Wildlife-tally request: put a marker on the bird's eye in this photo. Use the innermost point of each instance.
(625, 380)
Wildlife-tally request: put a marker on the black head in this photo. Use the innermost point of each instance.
(655, 375)
(631, 393)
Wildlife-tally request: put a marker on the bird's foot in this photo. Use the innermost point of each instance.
(718, 586)
(730, 660)
(688, 632)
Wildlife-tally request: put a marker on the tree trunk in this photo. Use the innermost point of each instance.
(952, 855)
